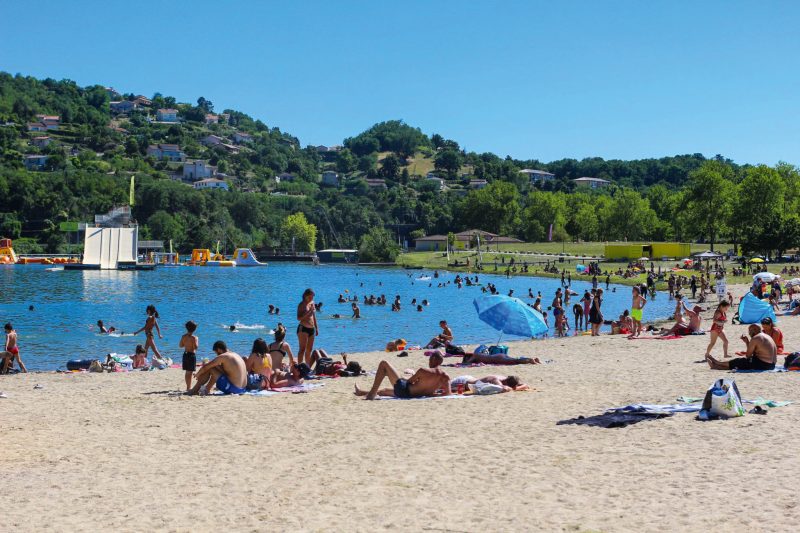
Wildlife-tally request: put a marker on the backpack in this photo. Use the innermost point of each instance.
(723, 399)
(792, 360)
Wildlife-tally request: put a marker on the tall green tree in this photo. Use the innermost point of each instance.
(708, 199)
(296, 229)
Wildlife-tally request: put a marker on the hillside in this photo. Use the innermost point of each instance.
(203, 175)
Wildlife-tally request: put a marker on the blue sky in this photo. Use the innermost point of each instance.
(528, 79)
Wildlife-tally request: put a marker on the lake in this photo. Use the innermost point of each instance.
(67, 305)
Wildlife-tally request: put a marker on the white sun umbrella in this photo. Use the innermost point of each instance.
(766, 276)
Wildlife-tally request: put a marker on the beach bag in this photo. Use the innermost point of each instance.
(501, 349)
(792, 360)
(723, 399)
(452, 349)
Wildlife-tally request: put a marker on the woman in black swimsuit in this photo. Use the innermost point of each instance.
(595, 314)
(307, 329)
(280, 348)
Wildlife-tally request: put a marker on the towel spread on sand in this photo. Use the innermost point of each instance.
(653, 408)
(614, 420)
(776, 369)
(656, 338)
(305, 387)
(756, 401)
(448, 397)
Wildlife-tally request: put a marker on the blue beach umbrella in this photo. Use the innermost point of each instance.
(510, 315)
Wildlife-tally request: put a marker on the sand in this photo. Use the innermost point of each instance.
(100, 452)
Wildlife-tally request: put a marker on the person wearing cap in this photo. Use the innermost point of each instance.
(777, 335)
(227, 371)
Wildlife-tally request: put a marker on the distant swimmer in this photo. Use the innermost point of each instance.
(271, 310)
(341, 299)
(356, 311)
(232, 328)
(104, 329)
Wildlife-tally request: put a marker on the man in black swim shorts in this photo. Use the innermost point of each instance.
(424, 382)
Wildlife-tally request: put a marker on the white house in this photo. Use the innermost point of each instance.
(197, 170)
(331, 178)
(594, 183)
(212, 140)
(211, 183)
(35, 162)
(167, 115)
(171, 152)
(212, 119)
(41, 142)
(241, 137)
(477, 184)
(537, 175)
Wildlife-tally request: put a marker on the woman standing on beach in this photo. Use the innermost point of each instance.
(595, 314)
(718, 328)
(150, 323)
(307, 329)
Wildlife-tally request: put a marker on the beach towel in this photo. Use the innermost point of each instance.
(654, 408)
(757, 401)
(248, 393)
(656, 338)
(613, 420)
(305, 387)
(776, 369)
(448, 397)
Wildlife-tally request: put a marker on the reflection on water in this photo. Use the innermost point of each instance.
(67, 305)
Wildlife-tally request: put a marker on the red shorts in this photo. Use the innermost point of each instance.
(14, 349)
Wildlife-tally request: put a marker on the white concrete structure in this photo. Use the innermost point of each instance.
(537, 175)
(197, 170)
(211, 183)
(594, 183)
(167, 115)
(109, 247)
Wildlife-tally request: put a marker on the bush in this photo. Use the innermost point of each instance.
(378, 246)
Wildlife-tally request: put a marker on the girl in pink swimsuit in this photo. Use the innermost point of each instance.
(718, 328)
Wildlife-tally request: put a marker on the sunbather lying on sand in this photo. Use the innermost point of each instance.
(424, 382)
(498, 359)
(762, 354)
(509, 383)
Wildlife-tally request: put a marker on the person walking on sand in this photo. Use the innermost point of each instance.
(718, 329)
(595, 313)
(307, 329)
(637, 306)
(150, 323)
(11, 352)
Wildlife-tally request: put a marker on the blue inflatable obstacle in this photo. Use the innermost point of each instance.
(752, 310)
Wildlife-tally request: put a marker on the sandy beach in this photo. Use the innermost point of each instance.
(101, 452)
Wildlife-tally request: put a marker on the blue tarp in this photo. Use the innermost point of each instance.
(752, 310)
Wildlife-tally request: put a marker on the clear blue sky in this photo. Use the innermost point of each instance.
(529, 79)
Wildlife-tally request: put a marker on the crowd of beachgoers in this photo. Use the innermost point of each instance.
(274, 365)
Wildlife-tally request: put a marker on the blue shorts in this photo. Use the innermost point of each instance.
(225, 386)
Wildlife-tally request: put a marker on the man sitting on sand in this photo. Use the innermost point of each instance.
(509, 383)
(762, 354)
(445, 337)
(498, 359)
(687, 325)
(424, 382)
(227, 372)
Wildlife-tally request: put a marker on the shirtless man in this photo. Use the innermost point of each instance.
(227, 372)
(686, 325)
(762, 354)
(356, 311)
(446, 336)
(498, 359)
(11, 352)
(424, 382)
(509, 383)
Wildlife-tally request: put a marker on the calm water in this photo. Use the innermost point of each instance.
(67, 306)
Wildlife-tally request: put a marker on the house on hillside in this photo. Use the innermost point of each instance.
(212, 119)
(112, 93)
(212, 140)
(170, 152)
(41, 142)
(50, 122)
(330, 178)
(240, 137)
(286, 176)
(594, 183)
(197, 170)
(36, 126)
(142, 101)
(477, 184)
(123, 106)
(539, 176)
(431, 177)
(211, 183)
(35, 162)
(167, 115)
(225, 117)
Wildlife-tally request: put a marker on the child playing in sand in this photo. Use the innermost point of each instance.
(718, 328)
(11, 352)
(152, 322)
(189, 343)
